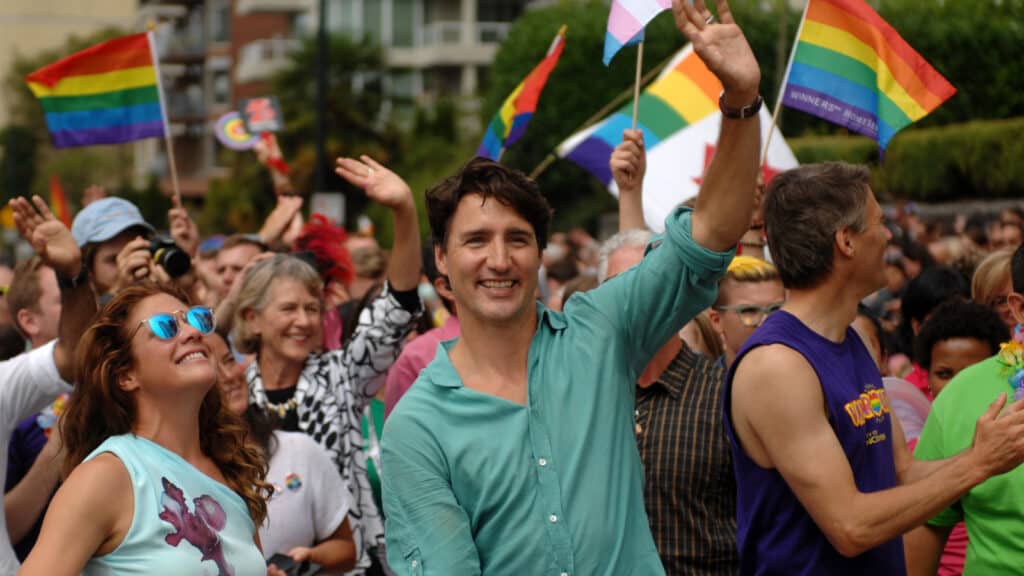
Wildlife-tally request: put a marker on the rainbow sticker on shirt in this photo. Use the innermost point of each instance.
(873, 403)
(293, 481)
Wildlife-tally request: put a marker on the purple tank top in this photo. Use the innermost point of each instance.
(774, 532)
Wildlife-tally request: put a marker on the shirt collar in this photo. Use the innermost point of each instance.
(442, 373)
(683, 364)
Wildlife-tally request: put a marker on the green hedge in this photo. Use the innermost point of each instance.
(982, 159)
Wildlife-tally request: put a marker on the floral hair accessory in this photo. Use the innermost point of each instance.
(1011, 355)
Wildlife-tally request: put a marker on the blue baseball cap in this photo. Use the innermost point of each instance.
(105, 218)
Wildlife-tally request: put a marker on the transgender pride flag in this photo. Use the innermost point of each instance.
(626, 23)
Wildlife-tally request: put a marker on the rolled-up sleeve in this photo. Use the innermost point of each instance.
(675, 281)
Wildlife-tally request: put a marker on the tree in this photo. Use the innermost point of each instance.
(19, 161)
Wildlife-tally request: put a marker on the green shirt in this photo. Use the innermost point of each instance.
(992, 511)
(476, 484)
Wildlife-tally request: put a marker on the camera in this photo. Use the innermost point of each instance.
(169, 255)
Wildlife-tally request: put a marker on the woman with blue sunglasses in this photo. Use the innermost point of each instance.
(160, 474)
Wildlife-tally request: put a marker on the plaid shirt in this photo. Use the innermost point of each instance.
(689, 486)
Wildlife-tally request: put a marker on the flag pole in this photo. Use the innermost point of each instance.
(168, 142)
(782, 86)
(594, 118)
(636, 83)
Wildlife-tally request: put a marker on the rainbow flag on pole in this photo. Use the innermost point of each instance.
(626, 23)
(509, 124)
(106, 94)
(680, 120)
(851, 67)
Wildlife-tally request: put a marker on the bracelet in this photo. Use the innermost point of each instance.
(740, 113)
(65, 283)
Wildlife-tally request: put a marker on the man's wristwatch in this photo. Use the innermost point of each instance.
(65, 283)
(747, 111)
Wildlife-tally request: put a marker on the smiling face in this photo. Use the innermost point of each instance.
(289, 325)
(231, 376)
(166, 367)
(491, 258)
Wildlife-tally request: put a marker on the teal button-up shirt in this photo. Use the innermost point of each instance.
(476, 484)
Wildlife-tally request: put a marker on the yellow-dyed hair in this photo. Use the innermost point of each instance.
(747, 269)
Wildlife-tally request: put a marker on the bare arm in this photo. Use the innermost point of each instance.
(90, 515)
(52, 240)
(629, 164)
(336, 553)
(922, 548)
(778, 411)
(388, 189)
(726, 197)
(26, 501)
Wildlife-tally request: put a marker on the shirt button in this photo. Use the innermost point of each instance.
(553, 518)
(414, 563)
(542, 462)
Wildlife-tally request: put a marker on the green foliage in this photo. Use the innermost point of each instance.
(979, 159)
(18, 165)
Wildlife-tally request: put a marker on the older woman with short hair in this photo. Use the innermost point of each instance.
(324, 394)
(991, 284)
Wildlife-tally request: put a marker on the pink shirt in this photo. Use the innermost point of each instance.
(415, 357)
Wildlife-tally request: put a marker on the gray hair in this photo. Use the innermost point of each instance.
(635, 238)
(255, 293)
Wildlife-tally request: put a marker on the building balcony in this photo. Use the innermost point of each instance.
(183, 108)
(261, 59)
(250, 6)
(449, 43)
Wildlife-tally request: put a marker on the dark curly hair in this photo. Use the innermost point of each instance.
(99, 408)
(959, 319)
(488, 179)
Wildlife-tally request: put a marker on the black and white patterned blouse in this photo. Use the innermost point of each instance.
(331, 395)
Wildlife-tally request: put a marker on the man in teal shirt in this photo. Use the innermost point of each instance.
(513, 453)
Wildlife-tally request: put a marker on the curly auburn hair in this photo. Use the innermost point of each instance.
(99, 408)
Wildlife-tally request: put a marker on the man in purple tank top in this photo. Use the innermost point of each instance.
(825, 483)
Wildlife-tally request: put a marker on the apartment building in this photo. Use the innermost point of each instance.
(217, 52)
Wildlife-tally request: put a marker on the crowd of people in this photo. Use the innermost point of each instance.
(789, 380)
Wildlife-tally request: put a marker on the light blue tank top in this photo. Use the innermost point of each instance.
(184, 521)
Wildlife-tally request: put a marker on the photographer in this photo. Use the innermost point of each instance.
(120, 248)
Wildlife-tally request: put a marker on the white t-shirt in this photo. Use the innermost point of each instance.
(28, 382)
(310, 499)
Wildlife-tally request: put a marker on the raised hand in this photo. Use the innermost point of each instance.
(49, 237)
(134, 263)
(380, 184)
(722, 47)
(280, 218)
(183, 229)
(629, 162)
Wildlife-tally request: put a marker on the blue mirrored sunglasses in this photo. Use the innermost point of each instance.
(165, 326)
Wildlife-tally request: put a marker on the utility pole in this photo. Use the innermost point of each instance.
(319, 181)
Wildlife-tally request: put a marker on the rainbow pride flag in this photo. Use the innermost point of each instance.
(59, 201)
(680, 120)
(509, 123)
(685, 95)
(626, 23)
(852, 68)
(106, 94)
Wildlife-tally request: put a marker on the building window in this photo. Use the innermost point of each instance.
(220, 21)
(221, 87)
(343, 16)
(403, 23)
(372, 19)
(499, 10)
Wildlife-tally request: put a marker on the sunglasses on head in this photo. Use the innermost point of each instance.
(165, 326)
